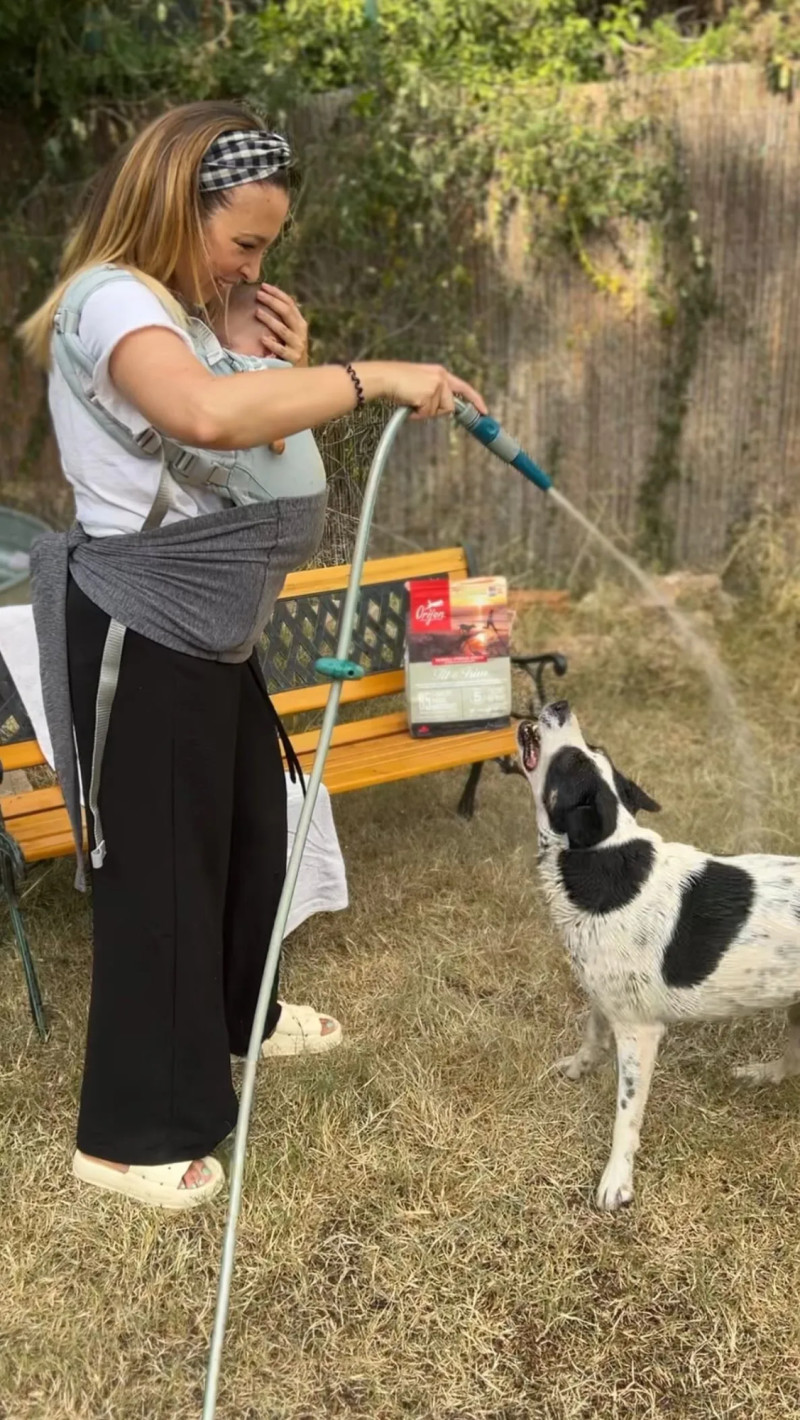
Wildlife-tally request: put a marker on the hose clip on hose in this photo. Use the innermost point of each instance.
(335, 669)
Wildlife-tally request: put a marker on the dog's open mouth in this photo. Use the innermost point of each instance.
(529, 745)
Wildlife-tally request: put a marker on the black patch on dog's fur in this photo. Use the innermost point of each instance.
(578, 801)
(632, 796)
(715, 906)
(605, 879)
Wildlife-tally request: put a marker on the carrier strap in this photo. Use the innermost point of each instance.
(187, 465)
(106, 691)
(107, 686)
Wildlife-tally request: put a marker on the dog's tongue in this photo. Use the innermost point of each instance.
(530, 754)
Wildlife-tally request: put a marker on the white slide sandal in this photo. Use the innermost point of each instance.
(302, 1030)
(157, 1185)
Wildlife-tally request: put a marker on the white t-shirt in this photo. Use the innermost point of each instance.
(114, 490)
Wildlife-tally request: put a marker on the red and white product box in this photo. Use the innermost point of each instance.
(458, 667)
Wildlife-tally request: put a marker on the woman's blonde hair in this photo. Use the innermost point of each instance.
(144, 210)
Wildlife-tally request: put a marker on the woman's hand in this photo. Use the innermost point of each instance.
(263, 321)
(285, 331)
(429, 390)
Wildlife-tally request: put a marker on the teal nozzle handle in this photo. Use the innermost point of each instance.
(494, 437)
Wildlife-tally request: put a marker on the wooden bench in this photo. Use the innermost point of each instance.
(373, 748)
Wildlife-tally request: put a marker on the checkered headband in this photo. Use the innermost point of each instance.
(249, 155)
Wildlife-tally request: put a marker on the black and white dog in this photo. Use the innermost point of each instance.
(657, 932)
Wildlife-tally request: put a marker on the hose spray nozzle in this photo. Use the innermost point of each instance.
(494, 438)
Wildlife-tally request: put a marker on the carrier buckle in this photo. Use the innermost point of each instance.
(149, 441)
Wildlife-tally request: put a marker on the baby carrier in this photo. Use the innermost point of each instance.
(291, 481)
(243, 475)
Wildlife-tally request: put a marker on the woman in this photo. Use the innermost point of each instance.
(194, 825)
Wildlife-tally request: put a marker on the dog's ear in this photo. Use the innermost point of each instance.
(632, 797)
(587, 824)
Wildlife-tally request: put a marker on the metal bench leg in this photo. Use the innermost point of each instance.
(12, 870)
(466, 804)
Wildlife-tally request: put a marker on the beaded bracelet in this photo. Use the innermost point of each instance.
(359, 388)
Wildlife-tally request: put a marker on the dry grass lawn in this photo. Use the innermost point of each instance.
(418, 1237)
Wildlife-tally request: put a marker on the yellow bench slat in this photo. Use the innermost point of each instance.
(379, 569)
(315, 697)
(355, 732)
(32, 801)
(25, 755)
(44, 835)
(397, 756)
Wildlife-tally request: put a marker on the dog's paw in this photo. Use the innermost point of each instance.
(573, 1067)
(761, 1072)
(616, 1188)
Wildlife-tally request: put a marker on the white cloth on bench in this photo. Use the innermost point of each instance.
(322, 882)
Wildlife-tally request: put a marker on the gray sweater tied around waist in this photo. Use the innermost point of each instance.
(205, 586)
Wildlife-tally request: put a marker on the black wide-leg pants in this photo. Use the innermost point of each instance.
(193, 800)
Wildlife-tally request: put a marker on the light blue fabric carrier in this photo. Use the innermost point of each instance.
(245, 475)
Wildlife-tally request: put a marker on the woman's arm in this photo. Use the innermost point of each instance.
(155, 371)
